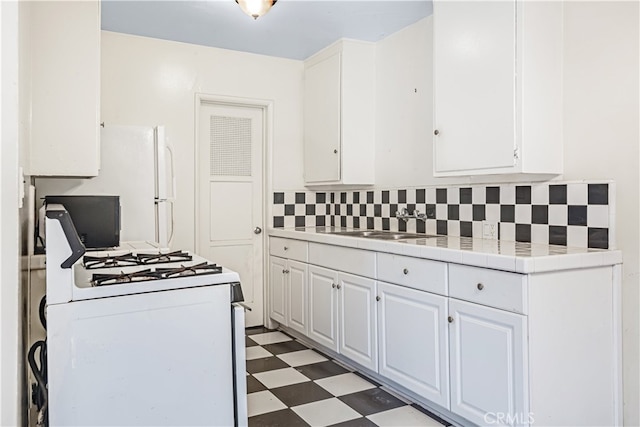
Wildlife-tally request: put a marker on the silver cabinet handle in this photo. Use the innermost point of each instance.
(335, 151)
(405, 271)
(333, 285)
(480, 286)
(339, 286)
(436, 132)
(450, 319)
(284, 271)
(377, 298)
(257, 230)
(286, 248)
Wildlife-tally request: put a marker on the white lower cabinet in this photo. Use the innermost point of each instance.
(342, 314)
(323, 306)
(296, 273)
(488, 350)
(413, 341)
(277, 290)
(358, 337)
(481, 345)
(288, 293)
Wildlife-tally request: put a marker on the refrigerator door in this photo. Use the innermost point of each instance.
(128, 169)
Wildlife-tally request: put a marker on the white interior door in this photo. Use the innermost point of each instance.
(230, 221)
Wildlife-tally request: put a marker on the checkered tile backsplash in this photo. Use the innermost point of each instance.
(576, 214)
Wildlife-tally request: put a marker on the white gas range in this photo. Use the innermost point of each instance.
(141, 338)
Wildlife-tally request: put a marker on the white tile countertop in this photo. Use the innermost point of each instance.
(516, 257)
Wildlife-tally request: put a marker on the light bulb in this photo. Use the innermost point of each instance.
(256, 8)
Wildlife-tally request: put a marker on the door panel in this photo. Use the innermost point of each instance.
(297, 296)
(223, 226)
(323, 314)
(474, 81)
(358, 320)
(488, 375)
(416, 358)
(277, 290)
(322, 121)
(230, 200)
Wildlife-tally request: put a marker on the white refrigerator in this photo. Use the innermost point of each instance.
(136, 164)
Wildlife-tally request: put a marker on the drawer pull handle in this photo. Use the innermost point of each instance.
(333, 285)
(284, 271)
(339, 286)
(286, 248)
(377, 298)
(480, 286)
(450, 319)
(405, 271)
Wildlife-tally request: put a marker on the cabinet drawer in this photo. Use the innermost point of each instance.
(494, 288)
(288, 248)
(421, 274)
(349, 260)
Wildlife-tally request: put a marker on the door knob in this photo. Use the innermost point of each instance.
(257, 230)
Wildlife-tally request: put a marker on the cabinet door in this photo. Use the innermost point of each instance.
(322, 94)
(474, 85)
(358, 320)
(65, 88)
(323, 310)
(414, 341)
(277, 290)
(297, 296)
(488, 369)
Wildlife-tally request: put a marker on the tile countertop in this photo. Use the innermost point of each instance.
(516, 257)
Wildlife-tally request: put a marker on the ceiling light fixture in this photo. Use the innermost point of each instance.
(256, 8)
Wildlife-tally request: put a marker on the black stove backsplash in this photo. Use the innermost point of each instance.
(575, 214)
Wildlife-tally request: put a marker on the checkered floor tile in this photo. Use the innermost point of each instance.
(289, 384)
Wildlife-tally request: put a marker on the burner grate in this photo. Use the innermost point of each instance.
(130, 259)
(95, 262)
(101, 279)
(192, 270)
(113, 279)
(161, 258)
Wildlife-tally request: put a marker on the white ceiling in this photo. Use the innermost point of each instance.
(292, 29)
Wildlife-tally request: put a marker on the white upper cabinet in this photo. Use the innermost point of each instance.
(64, 56)
(339, 110)
(497, 88)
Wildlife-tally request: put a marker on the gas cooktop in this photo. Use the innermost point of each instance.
(115, 268)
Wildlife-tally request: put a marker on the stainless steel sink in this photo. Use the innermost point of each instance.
(382, 235)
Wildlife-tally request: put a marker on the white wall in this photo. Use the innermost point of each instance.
(149, 82)
(9, 225)
(601, 129)
(601, 140)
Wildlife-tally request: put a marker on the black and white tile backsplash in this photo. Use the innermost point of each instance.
(577, 214)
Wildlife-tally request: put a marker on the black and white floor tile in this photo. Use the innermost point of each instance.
(289, 384)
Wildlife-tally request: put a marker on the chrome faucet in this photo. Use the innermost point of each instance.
(405, 215)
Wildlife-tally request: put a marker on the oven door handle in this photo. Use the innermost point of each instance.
(239, 366)
(243, 305)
